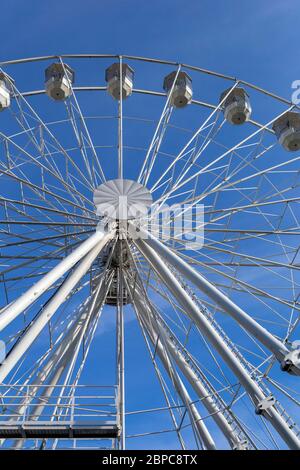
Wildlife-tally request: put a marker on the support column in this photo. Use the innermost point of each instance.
(250, 385)
(161, 340)
(51, 307)
(200, 426)
(120, 355)
(31, 295)
(277, 347)
(66, 352)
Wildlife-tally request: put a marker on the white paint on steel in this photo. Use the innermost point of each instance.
(246, 321)
(250, 385)
(122, 199)
(31, 295)
(51, 307)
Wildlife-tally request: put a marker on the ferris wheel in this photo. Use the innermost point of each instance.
(149, 277)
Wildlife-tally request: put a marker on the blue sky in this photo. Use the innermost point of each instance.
(257, 41)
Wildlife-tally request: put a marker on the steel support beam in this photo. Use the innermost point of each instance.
(9, 313)
(277, 347)
(251, 386)
(120, 359)
(88, 330)
(51, 307)
(65, 352)
(48, 370)
(199, 424)
(161, 341)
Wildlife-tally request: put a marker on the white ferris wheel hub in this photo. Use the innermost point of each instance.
(122, 199)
